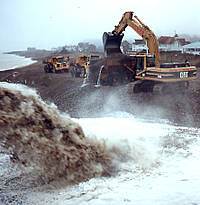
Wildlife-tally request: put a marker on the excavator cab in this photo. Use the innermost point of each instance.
(139, 67)
(142, 62)
(150, 61)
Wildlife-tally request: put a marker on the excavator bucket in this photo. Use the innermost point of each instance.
(112, 43)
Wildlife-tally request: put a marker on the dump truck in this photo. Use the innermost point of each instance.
(79, 70)
(81, 65)
(56, 64)
(145, 68)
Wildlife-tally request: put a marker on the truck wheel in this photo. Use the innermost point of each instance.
(46, 69)
(50, 68)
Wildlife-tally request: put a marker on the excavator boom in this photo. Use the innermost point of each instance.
(112, 41)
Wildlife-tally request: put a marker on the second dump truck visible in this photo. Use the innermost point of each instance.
(80, 68)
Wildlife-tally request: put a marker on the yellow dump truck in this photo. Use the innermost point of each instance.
(56, 64)
(81, 65)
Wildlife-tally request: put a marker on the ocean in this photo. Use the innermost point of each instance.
(147, 161)
(10, 61)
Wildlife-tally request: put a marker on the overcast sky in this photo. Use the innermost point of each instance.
(53, 23)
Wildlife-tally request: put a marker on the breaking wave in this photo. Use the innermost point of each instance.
(42, 151)
(48, 143)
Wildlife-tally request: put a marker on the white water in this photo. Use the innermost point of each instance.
(9, 61)
(99, 77)
(162, 165)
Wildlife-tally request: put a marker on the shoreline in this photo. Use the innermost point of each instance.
(15, 61)
(18, 67)
(67, 94)
(33, 54)
(166, 56)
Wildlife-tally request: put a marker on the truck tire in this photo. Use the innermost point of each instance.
(46, 69)
(50, 68)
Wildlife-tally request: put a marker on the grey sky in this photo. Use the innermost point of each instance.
(52, 23)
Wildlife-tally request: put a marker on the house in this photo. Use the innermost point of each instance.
(192, 48)
(139, 45)
(168, 43)
(126, 46)
(31, 49)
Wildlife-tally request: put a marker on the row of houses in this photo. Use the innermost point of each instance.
(167, 43)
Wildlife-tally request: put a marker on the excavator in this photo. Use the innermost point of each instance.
(145, 68)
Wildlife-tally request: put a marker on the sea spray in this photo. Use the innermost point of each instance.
(47, 142)
(176, 175)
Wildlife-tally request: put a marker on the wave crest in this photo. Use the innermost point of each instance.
(47, 142)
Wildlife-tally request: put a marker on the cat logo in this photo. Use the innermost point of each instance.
(183, 74)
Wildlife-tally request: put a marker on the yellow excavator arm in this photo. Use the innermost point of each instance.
(140, 28)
